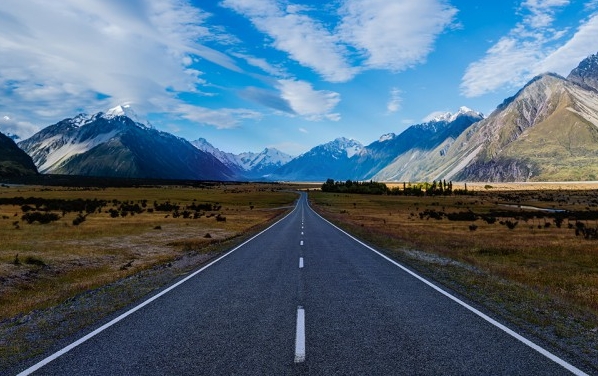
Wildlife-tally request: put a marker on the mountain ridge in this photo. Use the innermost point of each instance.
(116, 146)
(548, 130)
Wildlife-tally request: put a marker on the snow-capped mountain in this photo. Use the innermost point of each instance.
(441, 130)
(586, 73)
(249, 165)
(112, 144)
(548, 131)
(330, 160)
(261, 165)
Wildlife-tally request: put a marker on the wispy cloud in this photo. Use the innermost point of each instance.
(13, 127)
(312, 104)
(303, 38)
(371, 34)
(394, 35)
(224, 118)
(580, 46)
(394, 104)
(527, 50)
(132, 51)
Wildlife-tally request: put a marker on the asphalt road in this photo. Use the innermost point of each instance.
(301, 298)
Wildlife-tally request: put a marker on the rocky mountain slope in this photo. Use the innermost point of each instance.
(548, 131)
(419, 138)
(112, 144)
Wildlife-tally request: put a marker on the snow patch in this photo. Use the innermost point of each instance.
(70, 149)
(387, 137)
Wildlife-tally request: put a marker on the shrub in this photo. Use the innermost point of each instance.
(79, 219)
(42, 218)
(30, 260)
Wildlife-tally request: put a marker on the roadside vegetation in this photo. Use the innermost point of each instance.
(57, 242)
(529, 255)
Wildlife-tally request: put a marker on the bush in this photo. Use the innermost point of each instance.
(80, 219)
(42, 218)
(29, 260)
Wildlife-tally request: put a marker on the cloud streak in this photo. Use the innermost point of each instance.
(371, 34)
(394, 104)
(89, 55)
(312, 104)
(534, 46)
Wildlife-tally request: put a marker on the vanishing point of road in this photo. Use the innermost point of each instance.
(302, 298)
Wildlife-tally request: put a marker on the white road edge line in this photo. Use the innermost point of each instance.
(512, 333)
(300, 336)
(300, 262)
(68, 348)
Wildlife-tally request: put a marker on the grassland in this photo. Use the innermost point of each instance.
(536, 268)
(44, 264)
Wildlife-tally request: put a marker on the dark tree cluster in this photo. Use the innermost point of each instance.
(408, 189)
(44, 204)
(371, 187)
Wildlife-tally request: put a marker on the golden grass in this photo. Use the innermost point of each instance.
(103, 249)
(550, 260)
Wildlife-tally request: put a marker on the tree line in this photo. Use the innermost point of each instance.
(435, 188)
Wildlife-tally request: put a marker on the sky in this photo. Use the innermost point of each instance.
(250, 74)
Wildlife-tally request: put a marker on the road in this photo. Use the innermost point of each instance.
(302, 298)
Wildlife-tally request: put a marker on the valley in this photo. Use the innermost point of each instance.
(527, 252)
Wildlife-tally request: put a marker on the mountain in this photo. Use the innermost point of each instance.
(380, 154)
(112, 144)
(13, 160)
(547, 132)
(263, 164)
(330, 160)
(249, 165)
(586, 73)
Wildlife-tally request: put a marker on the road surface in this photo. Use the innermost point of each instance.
(302, 298)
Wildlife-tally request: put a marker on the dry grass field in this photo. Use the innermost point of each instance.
(538, 268)
(130, 230)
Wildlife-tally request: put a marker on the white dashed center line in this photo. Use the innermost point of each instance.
(300, 336)
(300, 262)
(301, 243)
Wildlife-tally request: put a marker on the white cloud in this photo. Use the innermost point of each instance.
(518, 56)
(90, 55)
(22, 129)
(305, 101)
(263, 64)
(305, 40)
(371, 34)
(568, 56)
(222, 118)
(394, 104)
(395, 34)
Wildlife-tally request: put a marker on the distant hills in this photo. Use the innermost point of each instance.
(548, 131)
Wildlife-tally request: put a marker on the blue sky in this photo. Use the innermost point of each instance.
(249, 74)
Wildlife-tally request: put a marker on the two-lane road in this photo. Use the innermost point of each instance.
(302, 297)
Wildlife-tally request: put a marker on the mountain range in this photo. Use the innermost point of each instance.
(546, 131)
